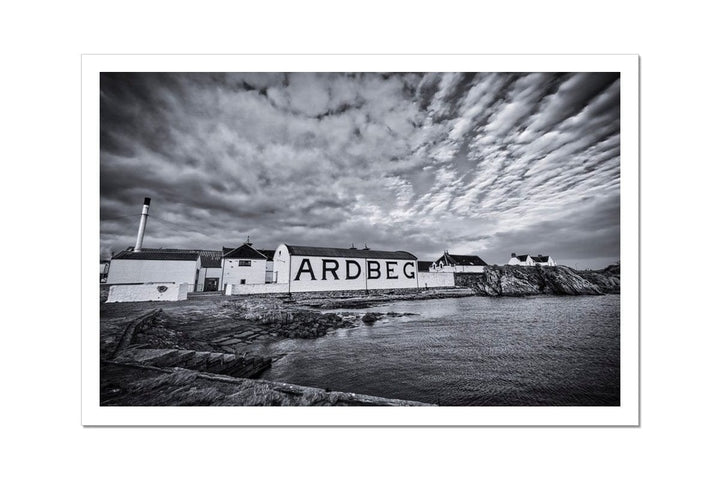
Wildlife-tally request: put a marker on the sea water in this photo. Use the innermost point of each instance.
(541, 350)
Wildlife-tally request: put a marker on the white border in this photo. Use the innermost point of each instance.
(627, 413)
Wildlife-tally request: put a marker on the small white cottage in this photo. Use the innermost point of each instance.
(543, 260)
(527, 260)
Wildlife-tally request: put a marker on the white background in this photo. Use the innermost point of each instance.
(40, 97)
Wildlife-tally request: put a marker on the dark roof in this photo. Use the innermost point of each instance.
(349, 253)
(462, 260)
(540, 259)
(157, 255)
(522, 257)
(244, 251)
(268, 252)
(208, 258)
(424, 265)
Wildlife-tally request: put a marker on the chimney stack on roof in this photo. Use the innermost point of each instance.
(143, 222)
(512, 255)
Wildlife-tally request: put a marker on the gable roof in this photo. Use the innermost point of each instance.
(522, 257)
(244, 251)
(348, 253)
(157, 255)
(461, 260)
(540, 259)
(269, 253)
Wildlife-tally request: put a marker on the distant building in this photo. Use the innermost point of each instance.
(543, 260)
(458, 263)
(521, 260)
(243, 265)
(527, 260)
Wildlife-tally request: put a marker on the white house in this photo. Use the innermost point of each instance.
(527, 260)
(312, 268)
(521, 260)
(458, 263)
(154, 266)
(242, 265)
(543, 260)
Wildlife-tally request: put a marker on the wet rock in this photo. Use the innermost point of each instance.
(525, 281)
(369, 318)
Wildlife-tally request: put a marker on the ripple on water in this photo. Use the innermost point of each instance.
(470, 351)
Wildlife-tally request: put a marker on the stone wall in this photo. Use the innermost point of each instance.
(436, 280)
(120, 293)
(467, 280)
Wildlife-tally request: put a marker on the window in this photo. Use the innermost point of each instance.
(242, 281)
(243, 262)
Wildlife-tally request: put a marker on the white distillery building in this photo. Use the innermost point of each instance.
(205, 278)
(138, 267)
(243, 265)
(311, 268)
(458, 263)
(527, 260)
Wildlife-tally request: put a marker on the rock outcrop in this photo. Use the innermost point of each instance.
(526, 281)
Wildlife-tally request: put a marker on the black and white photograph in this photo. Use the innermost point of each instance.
(360, 239)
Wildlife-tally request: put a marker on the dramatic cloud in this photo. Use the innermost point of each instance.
(485, 164)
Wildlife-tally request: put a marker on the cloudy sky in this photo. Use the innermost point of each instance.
(486, 164)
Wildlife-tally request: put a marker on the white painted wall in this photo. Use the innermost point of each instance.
(287, 268)
(233, 274)
(458, 269)
(436, 279)
(269, 276)
(121, 293)
(153, 271)
(517, 262)
(549, 262)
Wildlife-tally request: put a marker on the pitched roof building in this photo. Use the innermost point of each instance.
(527, 260)
(458, 263)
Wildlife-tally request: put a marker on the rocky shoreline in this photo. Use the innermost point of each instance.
(541, 280)
(184, 347)
(199, 342)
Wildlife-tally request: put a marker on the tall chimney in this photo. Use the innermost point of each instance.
(143, 221)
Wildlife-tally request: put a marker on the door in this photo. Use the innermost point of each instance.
(211, 284)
